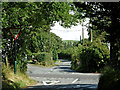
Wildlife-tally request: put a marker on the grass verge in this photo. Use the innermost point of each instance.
(11, 81)
(50, 63)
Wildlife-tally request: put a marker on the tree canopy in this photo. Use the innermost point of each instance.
(105, 16)
(34, 19)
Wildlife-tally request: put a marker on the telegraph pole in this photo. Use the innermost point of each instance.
(90, 32)
(49, 42)
(80, 37)
(50, 45)
(82, 32)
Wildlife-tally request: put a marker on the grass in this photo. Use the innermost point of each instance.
(43, 65)
(47, 63)
(11, 81)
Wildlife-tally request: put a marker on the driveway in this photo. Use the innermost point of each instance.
(61, 77)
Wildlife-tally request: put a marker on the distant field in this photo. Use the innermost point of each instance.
(66, 41)
(70, 41)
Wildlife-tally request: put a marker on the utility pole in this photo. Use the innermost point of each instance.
(50, 45)
(82, 32)
(91, 35)
(49, 42)
(80, 37)
(90, 32)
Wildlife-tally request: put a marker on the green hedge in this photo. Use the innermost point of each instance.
(90, 58)
(66, 53)
(110, 80)
(43, 58)
(55, 54)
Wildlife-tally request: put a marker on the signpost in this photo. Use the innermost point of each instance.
(15, 32)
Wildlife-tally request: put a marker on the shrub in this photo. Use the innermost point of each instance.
(75, 58)
(66, 53)
(22, 64)
(90, 58)
(43, 58)
(55, 54)
(11, 81)
(110, 79)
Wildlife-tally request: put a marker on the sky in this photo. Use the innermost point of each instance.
(72, 33)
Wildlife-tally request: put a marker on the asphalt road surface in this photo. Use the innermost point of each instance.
(61, 77)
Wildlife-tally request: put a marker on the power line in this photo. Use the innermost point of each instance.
(64, 30)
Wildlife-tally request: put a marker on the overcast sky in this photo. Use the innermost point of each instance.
(72, 33)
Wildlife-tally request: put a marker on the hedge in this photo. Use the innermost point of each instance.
(109, 80)
(55, 54)
(43, 58)
(90, 58)
(66, 53)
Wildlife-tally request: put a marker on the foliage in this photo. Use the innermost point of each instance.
(22, 65)
(105, 17)
(32, 18)
(43, 58)
(90, 57)
(65, 53)
(55, 55)
(43, 41)
(11, 81)
(110, 79)
(69, 43)
(67, 49)
(56, 42)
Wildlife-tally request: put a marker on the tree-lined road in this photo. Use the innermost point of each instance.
(61, 76)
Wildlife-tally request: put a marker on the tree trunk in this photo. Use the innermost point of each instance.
(114, 45)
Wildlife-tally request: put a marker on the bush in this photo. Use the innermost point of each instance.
(11, 81)
(90, 58)
(110, 79)
(66, 53)
(55, 54)
(22, 64)
(43, 58)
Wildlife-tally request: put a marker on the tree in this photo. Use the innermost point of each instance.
(105, 17)
(28, 16)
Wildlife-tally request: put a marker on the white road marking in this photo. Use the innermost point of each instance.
(50, 82)
(44, 83)
(75, 80)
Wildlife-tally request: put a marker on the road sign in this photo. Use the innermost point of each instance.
(15, 32)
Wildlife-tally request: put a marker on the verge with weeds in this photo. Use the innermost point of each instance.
(13, 81)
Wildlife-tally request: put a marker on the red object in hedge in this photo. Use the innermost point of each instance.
(15, 38)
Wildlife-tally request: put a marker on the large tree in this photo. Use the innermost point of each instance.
(31, 17)
(105, 17)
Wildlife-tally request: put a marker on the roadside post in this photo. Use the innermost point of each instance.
(15, 32)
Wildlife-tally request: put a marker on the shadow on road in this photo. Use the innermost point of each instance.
(63, 60)
(64, 68)
(64, 87)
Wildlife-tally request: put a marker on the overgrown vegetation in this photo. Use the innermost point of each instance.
(43, 58)
(87, 56)
(110, 80)
(13, 81)
(90, 57)
(35, 20)
(67, 49)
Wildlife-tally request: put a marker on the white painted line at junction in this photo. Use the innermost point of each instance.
(50, 82)
(75, 80)
(44, 83)
(87, 73)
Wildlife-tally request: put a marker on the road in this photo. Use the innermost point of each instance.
(61, 77)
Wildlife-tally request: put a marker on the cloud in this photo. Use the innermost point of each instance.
(72, 33)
